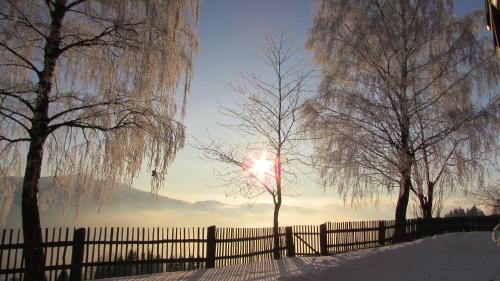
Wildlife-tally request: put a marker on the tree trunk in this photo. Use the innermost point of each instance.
(405, 157)
(276, 237)
(427, 208)
(405, 166)
(33, 251)
(401, 206)
(277, 202)
(426, 202)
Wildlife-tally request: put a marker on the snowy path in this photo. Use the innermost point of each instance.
(454, 257)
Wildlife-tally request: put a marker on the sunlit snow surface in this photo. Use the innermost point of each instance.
(454, 257)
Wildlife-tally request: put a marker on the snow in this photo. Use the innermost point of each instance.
(469, 256)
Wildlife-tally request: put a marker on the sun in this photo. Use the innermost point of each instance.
(261, 167)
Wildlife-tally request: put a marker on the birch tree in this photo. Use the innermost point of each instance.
(266, 119)
(399, 77)
(89, 87)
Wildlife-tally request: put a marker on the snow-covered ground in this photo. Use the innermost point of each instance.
(469, 256)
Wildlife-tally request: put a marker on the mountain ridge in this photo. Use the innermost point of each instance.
(128, 205)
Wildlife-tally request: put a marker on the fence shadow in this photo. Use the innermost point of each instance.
(266, 270)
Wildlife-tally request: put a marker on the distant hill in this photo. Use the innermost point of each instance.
(57, 210)
(128, 206)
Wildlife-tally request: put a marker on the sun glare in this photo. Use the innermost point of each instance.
(262, 167)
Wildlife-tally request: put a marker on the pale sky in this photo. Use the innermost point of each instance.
(229, 34)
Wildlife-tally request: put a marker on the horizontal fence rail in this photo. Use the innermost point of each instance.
(95, 253)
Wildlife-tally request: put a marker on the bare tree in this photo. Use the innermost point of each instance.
(458, 160)
(400, 78)
(90, 84)
(487, 196)
(266, 120)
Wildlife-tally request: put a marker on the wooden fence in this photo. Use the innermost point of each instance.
(94, 253)
(243, 245)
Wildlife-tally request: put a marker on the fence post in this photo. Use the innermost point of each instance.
(323, 240)
(75, 273)
(290, 246)
(210, 257)
(381, 233)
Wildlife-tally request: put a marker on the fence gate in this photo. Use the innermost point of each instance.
(307, 240)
